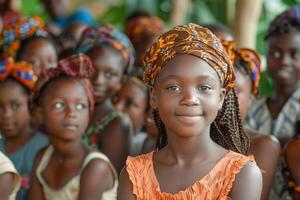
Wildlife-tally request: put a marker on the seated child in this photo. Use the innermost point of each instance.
(112, 56)
(202, 144)
(133, 100)
(19, 142)
(69, 169)
(27, 40)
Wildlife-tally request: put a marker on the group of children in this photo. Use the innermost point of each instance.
(94, 113)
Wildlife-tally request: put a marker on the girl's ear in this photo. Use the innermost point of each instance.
(153, 101)
(222, 97)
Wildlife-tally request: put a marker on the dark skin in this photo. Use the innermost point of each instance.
(292, 157)
(132, 100)
(64, 107)
(284, 68)
(190, 153)
(41, 54)
(261, 146)
(15, 116)
(114, 140)
(6, 185)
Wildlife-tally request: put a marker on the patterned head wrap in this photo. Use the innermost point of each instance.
(23, 28)
(284, 21)
(190, 39)
(251, 59)
(21, 71)
(107, 35)
(139, 28)
(78, 66)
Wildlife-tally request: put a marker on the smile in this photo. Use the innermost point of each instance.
(189, 119)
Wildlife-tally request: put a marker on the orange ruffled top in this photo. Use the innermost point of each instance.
(215, 185)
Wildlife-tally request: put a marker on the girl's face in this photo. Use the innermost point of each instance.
(132, 100)
(14, 111)
(108, 74)
(243, 88)
(284, 59)
(41, 54)
(188, 95)
(65, 109)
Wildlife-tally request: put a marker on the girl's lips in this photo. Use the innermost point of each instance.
(189, 119)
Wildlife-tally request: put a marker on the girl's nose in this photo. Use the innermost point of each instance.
(190, 97)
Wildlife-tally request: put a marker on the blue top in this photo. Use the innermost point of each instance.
(81, 15)
(23, 159)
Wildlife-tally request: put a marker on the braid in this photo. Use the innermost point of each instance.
(162, 139)
(227, 129)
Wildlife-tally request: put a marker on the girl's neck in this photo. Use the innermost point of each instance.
(13, 144)
(68, 149)
(193, 149)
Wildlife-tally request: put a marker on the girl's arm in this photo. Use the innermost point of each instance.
(248, 183)
(115, 141)
(6, 185)
(125, 187)
(263, 147)
(36, 190)
(96, 178)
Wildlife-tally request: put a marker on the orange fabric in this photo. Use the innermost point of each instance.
(215, 185)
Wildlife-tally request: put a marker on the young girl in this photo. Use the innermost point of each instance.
(27, 40)
(277, 114)
(9, 179)
(68, 169)
(112, 56)
(247, 64)
(133, 100)
(19, 141)
(196, 111)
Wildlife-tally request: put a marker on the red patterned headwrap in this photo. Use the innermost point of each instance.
(78, 66)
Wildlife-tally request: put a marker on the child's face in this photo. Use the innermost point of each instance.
(71, 35)
(188, 95)
(41, 54)
(14, 111)
(284, 59)
(132, 100)
(65, 109)
(108, 74)
(243, 88)
(56, 8)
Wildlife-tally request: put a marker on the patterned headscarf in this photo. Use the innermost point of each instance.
(250, 57)
(108, 35)
(23, 28)
(21, 71)
(78, 66)
(190, 39)
(282, 22)
(139, 28)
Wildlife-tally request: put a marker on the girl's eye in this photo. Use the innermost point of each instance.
(59, 105)
(15, 106)
(276, 54)
(80, 106)
(204, 88)
(174, 88)
(109, 75)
